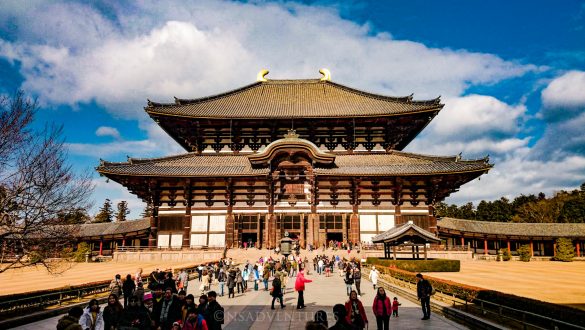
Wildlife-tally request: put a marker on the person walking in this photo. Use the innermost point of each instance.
(277, 291)
(300, 288)
(348, 280)
(382, 309)
(374, 274)
(245, 277)
(231, 283)
(356, 314)
(240, 281)
(183, 280)
(221, 279)
(265, 278)
(357, 279)
(116, 286)
(424, 291)
(395, 305)
(128, 288)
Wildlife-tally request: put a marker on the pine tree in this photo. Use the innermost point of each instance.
(106, 212)
(147, 211)
(123, 211)
(565, 250)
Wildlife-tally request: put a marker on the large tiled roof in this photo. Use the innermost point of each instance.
(512, 228)
(225, 165)
(112, 228)
(309, 98)
(408, 229)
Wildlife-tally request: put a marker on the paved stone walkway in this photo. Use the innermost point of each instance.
(252, 309)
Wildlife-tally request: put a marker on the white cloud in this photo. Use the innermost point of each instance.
(567, 90)
(108, 131)
(475, 125)
(104, 150)
(517, 175)
(159, 51)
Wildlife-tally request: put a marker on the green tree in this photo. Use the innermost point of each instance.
(565, 250)
(147, 211)
(37, 186)
(524, 253)
(123, 211)
(106, 213)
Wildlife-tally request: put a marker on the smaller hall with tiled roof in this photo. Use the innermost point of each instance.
(311, 157)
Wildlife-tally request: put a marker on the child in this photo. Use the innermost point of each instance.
(395, 305)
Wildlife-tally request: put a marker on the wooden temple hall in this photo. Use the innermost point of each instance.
(318, 159)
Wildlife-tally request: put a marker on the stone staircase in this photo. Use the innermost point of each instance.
(251, 254)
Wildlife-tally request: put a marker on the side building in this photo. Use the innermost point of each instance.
(312, 157)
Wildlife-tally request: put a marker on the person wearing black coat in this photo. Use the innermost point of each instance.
(167, 310)
(214, 313)
(135, 316)
(128, 289)
(170, 282)
(112, 313)
(424, 290)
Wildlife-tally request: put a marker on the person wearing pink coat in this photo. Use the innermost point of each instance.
(300, 288)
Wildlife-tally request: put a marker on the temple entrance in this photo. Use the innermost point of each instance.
(250, 239)
(338, 237)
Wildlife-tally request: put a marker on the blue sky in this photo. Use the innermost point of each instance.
(512, 74)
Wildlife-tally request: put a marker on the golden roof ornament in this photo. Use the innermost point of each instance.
(292, 134)
(261, 74)
(326, 74)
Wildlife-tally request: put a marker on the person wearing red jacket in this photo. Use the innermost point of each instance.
(300, 288)
(382, 309)
(356, 314)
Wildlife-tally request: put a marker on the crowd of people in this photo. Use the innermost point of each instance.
(164, 303)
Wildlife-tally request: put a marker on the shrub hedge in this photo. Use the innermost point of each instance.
(417, 266)
(471, 293)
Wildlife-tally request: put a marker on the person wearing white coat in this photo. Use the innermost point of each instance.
(374, 276)
(92, 318)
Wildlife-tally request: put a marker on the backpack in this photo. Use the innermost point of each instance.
(276, 282)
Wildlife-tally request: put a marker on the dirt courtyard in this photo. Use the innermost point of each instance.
(37, 278)
(556, 282)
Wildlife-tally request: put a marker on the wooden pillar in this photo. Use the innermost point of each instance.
(123, 241)
(312, 227)
(462, 241)
(485, 246)
(578, 248)
(394, 251)
(187, 227)
(508, 244)
(230, 238)
(554, 248)
(101, 245)
(152, 239)
(397, 216)
(270, 222)
(354, 226)
(531, 248)
(258, 232)
(425, 247)
(303, 239)
(432, 221)
(344, 227)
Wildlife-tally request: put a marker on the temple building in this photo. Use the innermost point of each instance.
(318, 159)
